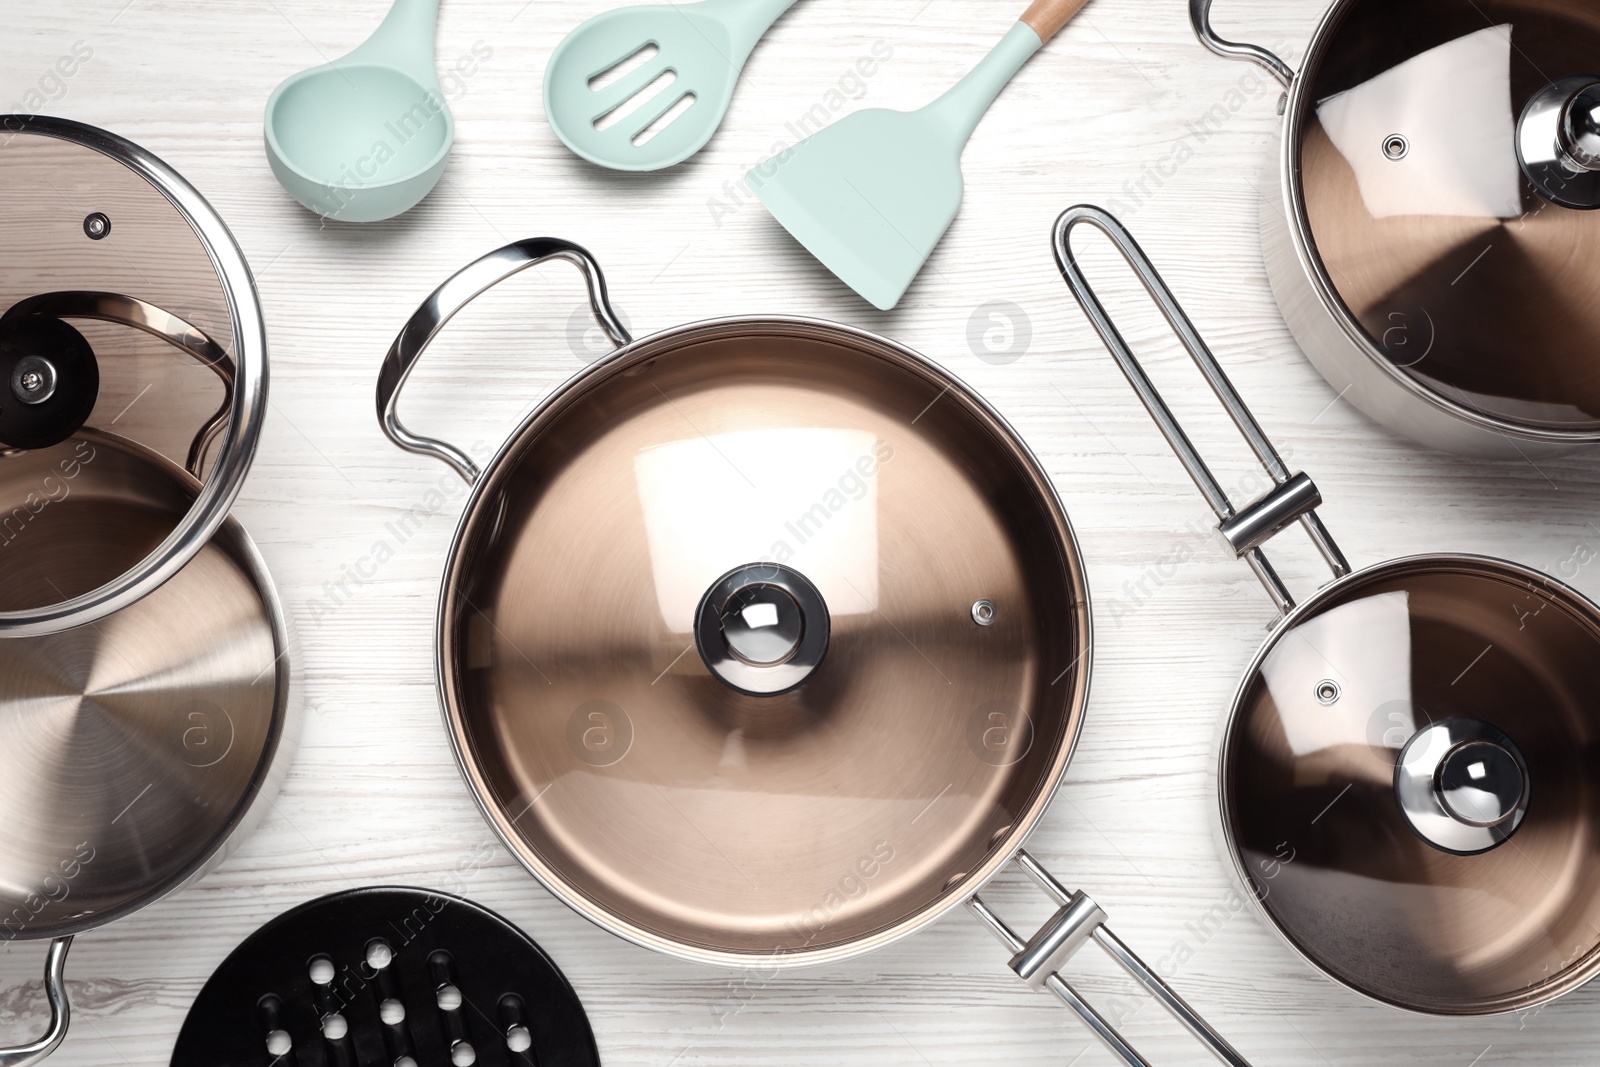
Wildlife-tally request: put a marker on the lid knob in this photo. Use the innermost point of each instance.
(1480, 783)
(1558, 142)
(1580, 127)
(762, 629)
(1462, 785)
(762, 625)
(51, 381)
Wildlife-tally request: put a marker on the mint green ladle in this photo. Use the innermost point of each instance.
(365, 137)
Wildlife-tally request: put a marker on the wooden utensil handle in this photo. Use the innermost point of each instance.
(1046, 17)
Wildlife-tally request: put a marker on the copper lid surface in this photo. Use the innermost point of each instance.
(132, 747)
(1313, 805)
(680, 809)
(1425, 226)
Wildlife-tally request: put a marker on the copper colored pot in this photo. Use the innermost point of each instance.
(1407, 776)
(764, 642)
(1429, 227)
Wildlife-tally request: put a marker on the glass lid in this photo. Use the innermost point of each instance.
(1448, 158)
(766, 640)
(1409, 786)
(124, 307)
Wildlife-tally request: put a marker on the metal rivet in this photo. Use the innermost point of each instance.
(33, 380)
(984, 613)
(97, 226)
(1327, 693)
(1396, 147)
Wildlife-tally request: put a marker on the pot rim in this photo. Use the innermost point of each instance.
(1577, 975)
(283, 737)
(592, 376)
(1306, 251)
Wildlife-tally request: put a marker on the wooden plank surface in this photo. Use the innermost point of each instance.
(1108, 113)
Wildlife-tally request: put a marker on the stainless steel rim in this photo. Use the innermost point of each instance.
(640, 350)
(248, 409)
(1327, 293)
(1556, 990)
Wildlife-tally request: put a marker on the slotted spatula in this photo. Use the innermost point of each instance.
(871, 195)
(700, 50)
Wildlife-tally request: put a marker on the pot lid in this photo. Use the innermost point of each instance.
(1443, 161)
(1408, 784)
(765, 639)
(124, 305)
(130, 749)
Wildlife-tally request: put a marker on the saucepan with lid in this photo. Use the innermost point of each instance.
(764, 642)
(1429, 230)
(145, 720)
(1407, 783)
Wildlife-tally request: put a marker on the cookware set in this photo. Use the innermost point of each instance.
(754, 613)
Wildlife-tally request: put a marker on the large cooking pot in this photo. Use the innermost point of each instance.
(145, 721)
(1428, 230)
(764, 642)
(1407, 775)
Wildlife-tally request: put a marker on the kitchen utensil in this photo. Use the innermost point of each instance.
(145, 722)
(664, 109)
(1426, 232)
(387, 975)
(871, 195)
(764, 642)
(366, 137)
(1405, 790)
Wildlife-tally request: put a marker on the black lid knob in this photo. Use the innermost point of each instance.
(49, 381)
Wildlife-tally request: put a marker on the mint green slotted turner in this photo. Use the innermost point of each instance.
(871, 195)
(700, 50)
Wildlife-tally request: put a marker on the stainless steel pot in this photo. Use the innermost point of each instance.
(1406, 778)
(1428, 231)
(764, 642)
(145, 712)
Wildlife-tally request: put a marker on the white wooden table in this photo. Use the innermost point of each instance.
(374, 796)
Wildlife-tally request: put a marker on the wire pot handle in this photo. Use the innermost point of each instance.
(463, 287)
(1078, 921)
(55, 990)
(1200, 18)
(1293, 498)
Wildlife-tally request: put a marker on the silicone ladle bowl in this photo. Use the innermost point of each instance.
(365, 137)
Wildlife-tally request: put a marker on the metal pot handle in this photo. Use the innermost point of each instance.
(457, 292)
(1293, 498)
(1038, 960)
(55, 990)
(158, 322)
(1200, 16)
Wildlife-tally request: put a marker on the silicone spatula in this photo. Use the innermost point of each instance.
(871, 195)
(686, 64)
